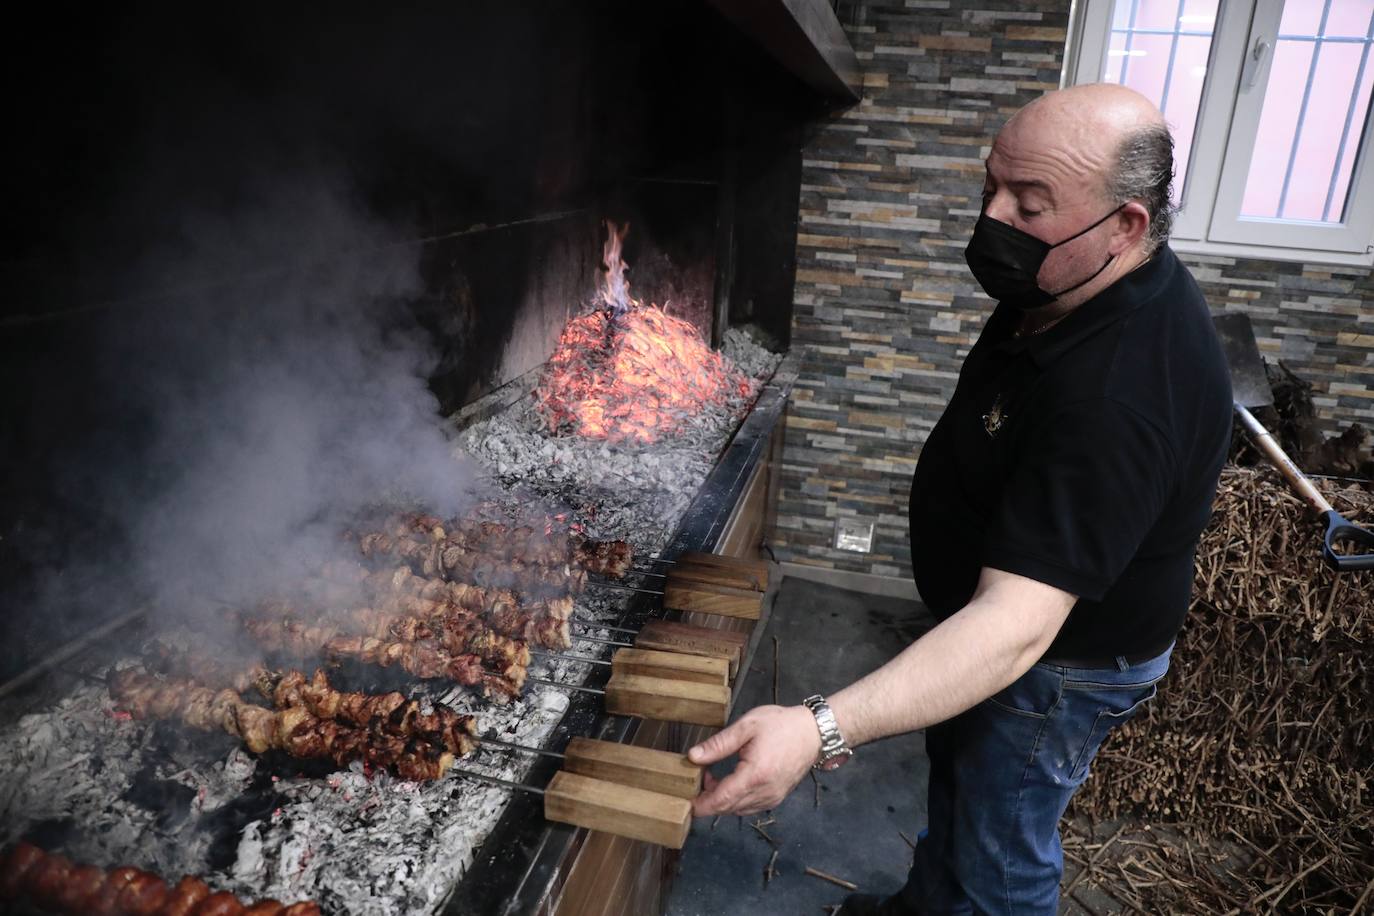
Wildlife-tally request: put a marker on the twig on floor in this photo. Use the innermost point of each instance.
(715, 820)
(767, 823)
(770, 871)
(775, 671)
(817, 783)
(764, 833)
(908, 839)
(1092, 861)
(832, 908)
(817, 873)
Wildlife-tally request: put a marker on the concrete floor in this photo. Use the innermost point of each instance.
(827, 637)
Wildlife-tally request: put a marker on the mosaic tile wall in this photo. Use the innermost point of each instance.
(884, 302)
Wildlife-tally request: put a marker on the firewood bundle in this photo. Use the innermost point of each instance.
(1263, 733)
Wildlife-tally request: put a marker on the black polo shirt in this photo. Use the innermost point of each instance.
(1085, 457)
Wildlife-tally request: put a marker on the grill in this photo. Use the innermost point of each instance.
(82, 779)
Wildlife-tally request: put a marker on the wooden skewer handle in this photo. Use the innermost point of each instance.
(759, 567)
(713, 599)
(617, 809)
(653, 663)
(670, 636)
(668, 699)
(640, 767)
(719, 575)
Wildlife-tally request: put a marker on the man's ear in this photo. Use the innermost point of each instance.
(1133, 221)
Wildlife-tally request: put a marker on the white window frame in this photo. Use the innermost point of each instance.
(1228, 119)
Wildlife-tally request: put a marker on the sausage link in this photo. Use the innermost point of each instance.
(143, 896)
(18, 862)
(80, 889)
(46, 880)
(220, 903)
(266, 907)
(185, 897)
(105, 901)
(304, 908)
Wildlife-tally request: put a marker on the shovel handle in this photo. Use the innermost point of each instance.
(1338, 528)
(1266, 443)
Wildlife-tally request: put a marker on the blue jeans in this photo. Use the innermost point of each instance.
(1001, 775)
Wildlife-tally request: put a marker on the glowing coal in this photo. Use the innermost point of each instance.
(629, 371)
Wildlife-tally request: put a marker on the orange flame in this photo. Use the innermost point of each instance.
(615, 289)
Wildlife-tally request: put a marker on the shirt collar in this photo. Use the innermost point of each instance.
(1138, 288)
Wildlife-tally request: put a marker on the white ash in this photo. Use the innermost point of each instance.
(753, 358)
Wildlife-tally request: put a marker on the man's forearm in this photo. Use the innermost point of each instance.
(965, 659)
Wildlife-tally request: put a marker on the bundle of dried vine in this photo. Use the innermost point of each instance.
(1263, 732)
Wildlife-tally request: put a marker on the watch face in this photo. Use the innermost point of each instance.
(834, 763)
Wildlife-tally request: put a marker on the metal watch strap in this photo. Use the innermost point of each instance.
(832, 742)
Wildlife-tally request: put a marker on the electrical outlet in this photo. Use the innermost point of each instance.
(854, 534)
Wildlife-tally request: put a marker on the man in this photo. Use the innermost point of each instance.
(1055, 512)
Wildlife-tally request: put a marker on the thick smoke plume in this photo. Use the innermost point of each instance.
(279, 392)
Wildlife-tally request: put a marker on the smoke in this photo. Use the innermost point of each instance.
(280, 391)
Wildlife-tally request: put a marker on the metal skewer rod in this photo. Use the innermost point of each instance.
(497, 742)
(623, 588)
(604, 642)
(495, 780)
(645, 572)
(569, 658)
(657, 560)
(597, 625)
(560, 685)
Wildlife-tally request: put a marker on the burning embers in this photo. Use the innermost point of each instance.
(630, 371)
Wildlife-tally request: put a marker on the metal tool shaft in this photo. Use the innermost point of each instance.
(495, 780)
(624, 588)
(597, 625)
(604, 642)
(569, 658)
(497, 742)
(561, 686)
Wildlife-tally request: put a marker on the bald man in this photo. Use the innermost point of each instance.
(1055, 513)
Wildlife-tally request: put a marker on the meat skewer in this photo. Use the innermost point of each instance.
(294, 730)
(486, 600)
(416, 658)
(461, 631)
(391, 712)
(56, 884)
(520, 543)
(543, 622)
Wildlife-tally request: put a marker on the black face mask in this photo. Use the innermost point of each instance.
(1005, 261)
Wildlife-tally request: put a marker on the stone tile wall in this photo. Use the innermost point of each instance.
(885, 306)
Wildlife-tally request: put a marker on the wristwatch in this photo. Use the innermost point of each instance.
(834, 752)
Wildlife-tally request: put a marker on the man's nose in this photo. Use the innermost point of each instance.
(1001, 206)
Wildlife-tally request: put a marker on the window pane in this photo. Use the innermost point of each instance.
(1316, 104)
(1348, 19)
(1160, 48)
(1351, 147)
